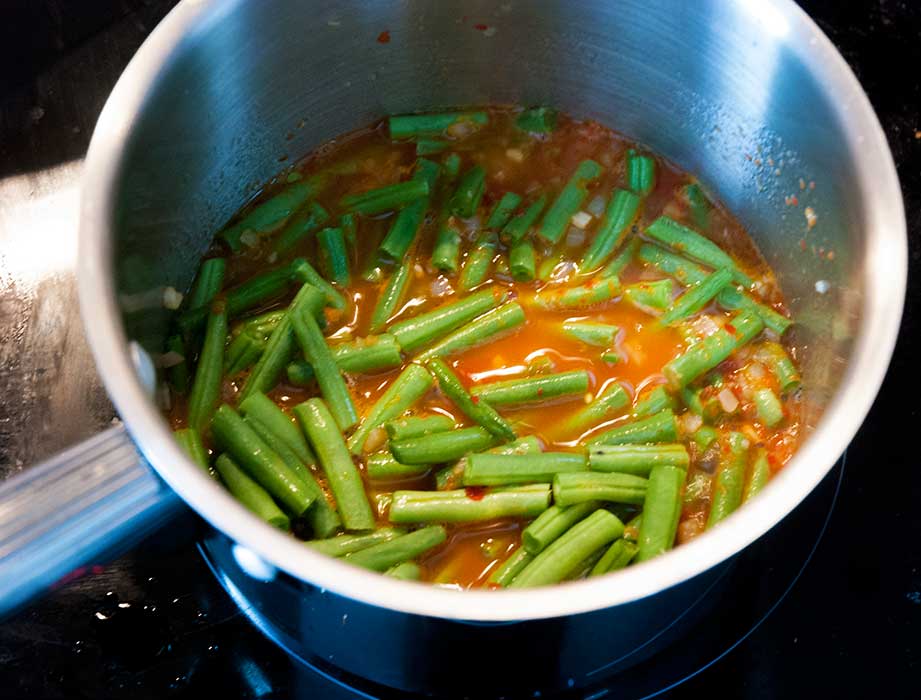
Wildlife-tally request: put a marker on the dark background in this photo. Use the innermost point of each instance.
(154, 623)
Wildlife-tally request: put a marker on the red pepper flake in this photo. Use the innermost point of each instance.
(475, 493)
(802, 244)
(383, 37)
(540, 391)
(731, 328)
(481, 27)
(475, 399)
(831, 255)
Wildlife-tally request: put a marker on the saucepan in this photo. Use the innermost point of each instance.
(747, 94)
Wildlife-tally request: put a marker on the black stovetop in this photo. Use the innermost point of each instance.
(155, 623)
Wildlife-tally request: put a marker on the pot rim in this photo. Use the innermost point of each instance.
(885, 276)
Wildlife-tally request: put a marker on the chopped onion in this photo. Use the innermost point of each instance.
(596, 205)
(563, 271)
(172, 299)
(163, 397)
(461, 128)
(515, 154)
(441, 286)
(581, 219)
(756, 370)
(575, 237)
(728, 400)
(168, 359)
(249, 238)
(376, 438)
(690, 422)
(705, 325)
(273, 256)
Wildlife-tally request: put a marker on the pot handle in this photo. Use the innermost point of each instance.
(73, 508)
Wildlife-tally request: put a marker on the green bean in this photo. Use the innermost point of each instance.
(615, 558)
(242, 353)
(305, 273)
(502, 212)
(516, 229)
(732, 298)
(759, 476)
(250, 494)
(261, 462)
(452, 476)
(329, 376)
(641, 172)
(566, 553)
(407, 571)
(705, 436)
(707, 353)
(273, 211)
(476, 410)
(392, 296)
(673, 235)
(570, 488)
(606, 405)
(349, 225)
(698, 205)
(552, 523)
(636, 459)
(208, 283)
(537, 120)
(384, 466)
(660, 427)
(259, 406)
(333, 256)
(418, 426)
(770, 412)
(406, 224)
(602, 335)
(482, 329)
(685, 271)
(523, 261)
(466, 198)
(728, 488)
(300, 226)
(621, 260)
(383, 556)
(300, 373)
(340, 545)
(661, 511)
(206, 387)
(446, 253)
(367, 354)
(386, 198)
(658, 399)
(476, 266)
(412, 125)
(509, 470)
(179, 372)
(648, 296)
(318, 423)
(619, 216)
(253, 292)
(427, 147)
(567, 203)
(595, 291)
(410, 386)
(696, 297)
(190, 441)
(442, 447)
(781, 366)
(461, 507)
(612, 357)
(511, 567)
(433, 325)
(549, 264)
(451, 166)
(541, 388)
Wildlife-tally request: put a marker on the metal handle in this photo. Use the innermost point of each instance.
(73, 508)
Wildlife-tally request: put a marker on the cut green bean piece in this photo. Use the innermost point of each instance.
(596, 291)
(770, 412)
(367, 354)
(528, 390)
(259, 406)
(242, 353)
(661, 511)
(442, 447)
(318, 423)
(206, 387)
(537, 120)
(688, 242)
(300, 373)
(636, 459)
(781, 366)
(641, 172)
(570, 488)
(272, 212)
(658, 399)
(705, 436)
(476, 266)
(392, 296)
(208, 283)
(759, 476)
(552, 523)
(517, 228)
(708, 352)
(502, 212)
(407, 571)
(418, 426)
(728, 488)
(696, 297)
(385, 198)
(461, 507)
(190, 441)
(685, 271)
(451, 166)
(300, 226)
(621, 260)
(698, 205)
(250, 494)
(476, 410)
(452, 476)
(333, 257)
(349, 225)
(732, 298)
(661, 427)
(466, 198)
(383, 556)
(615, 558)
(609, 403)
(410, 386)
(406, 224)
(511, 567)
(261, 462)
(650, 296)
(566, 554)
(600, 335)
(619, 217)
(305, 272)
(179, 372)
(341, 545)
(433, 325)
(446, 253)
(383, 466)
(482, 329)
(427, 147)
(509, 470)
(412, 125)
(567, 203)
(253, 292)
(522, 260)
(329, 376)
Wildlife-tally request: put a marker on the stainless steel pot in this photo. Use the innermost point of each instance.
(749, 94)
